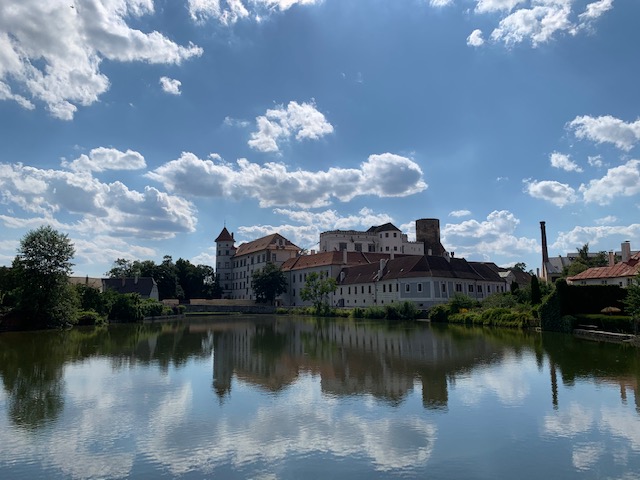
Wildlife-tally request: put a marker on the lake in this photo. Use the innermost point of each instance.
(288, 398)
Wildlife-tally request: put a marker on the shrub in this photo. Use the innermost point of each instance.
(282, 311)
(339, 312)
(127, 308)
(374, 312)
(151, 308)
(90, 317)
(401, 311)
(500, 300)
(460, 302)
(358, 312)
(439, 313)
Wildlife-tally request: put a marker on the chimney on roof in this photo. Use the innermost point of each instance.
(626, 251)
(612, 258)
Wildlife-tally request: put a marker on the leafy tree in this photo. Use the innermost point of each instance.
(121, 268)
(317, 289)
(520, 266)
(42, 266)
(632, 301)
(268, 283)
(536, 293)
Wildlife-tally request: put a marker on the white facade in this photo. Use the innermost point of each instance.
(389, 240)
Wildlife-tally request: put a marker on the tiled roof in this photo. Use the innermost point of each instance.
(224, 236)
(270, 242)
(621, 269)
(411, 266)
(521, 278)
(88, 281)
(332, 258)
(141, 285)
(383, 228)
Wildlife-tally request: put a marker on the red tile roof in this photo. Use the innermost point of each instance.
(630, 268)
(224, 236)
(270, 242)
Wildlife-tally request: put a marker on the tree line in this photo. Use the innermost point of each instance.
(35, 292)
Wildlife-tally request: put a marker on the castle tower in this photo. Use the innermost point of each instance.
(225, 250)
(428, 232)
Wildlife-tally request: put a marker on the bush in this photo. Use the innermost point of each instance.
(608, 323)
(439, 313)
(90, 317)
(500, 300)
(339, 312)
(374, 312)
(151, 308)
(460, 302)
(127, 308)
(358, 312)
(401, 311)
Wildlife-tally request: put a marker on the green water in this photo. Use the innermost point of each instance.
(285, 398)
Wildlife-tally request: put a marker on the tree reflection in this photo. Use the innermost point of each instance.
(31, 367)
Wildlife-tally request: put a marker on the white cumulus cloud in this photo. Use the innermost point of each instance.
(564, 162)
(101, 159)
(485, 239)
(170, 85)
(303, 121)
(51, 51)
(273, 184)
(559, 194)
(622, 181)
(606, 129)
(229, 12)
(475, 38)
(460, 213)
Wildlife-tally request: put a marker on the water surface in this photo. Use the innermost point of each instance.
(286, 398)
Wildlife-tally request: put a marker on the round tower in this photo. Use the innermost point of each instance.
(428, 232)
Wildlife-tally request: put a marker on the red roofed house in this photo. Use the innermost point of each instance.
(621, 273)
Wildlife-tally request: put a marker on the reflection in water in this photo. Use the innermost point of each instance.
(293, 396)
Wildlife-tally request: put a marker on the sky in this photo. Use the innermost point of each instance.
(141, 128)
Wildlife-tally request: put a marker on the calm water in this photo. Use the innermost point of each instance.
(278, 398)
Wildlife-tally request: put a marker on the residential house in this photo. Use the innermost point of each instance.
(146, 287)
(621, 273)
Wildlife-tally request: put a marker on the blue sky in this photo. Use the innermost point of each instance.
(140, 128)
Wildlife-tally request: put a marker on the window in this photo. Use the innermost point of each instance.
(386, 249)
(419, 287)
(342, 246)
(384, 288)
(444, 287)
(340, 290)
(358, 247)
(362, 289)
(226, 252)
(395, 249)
(458, 287)
(369, 288)
(386, 234)
(226, 264)
(470, 288)
(294, 292)
(479, 288)
(407, 287)
(349, 290)
(395, 234)
(371, 247)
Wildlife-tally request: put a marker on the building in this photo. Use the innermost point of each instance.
(425, 280)
(235, 265)
(621, 273)
(146, 287)
(385, 238)
(375, 267)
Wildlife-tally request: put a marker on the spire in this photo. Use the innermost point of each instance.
(225, 236)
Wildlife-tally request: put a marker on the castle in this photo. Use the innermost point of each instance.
(379, 266)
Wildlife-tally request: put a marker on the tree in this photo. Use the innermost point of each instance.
(520, 266)
(632, 302)
(317, 289)
(268, 283)
(536, 294)
(43, 265)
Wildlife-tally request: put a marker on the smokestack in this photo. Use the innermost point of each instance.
(545, 251)
(612, 259)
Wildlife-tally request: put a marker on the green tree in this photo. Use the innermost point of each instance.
(520, 266)
(316, 290)
(268, 283)
(632, 302)
(536, 293)
(43, 265)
